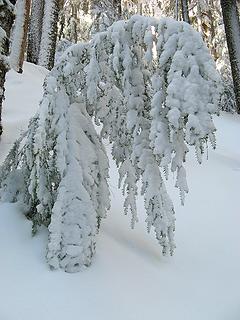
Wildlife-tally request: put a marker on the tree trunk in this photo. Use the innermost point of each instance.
(35, 30)
(61, 20)
(25, 32)
(20, 34)
(176, 10)
(232, 29)
(213, 29)
(49, 34)
(6, 21)
(73, 22)
(185, 14)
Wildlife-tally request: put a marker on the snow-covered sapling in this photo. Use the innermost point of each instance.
(153, 87)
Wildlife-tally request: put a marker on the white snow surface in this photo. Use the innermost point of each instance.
(129, 279)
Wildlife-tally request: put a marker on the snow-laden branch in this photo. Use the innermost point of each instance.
(153, 86)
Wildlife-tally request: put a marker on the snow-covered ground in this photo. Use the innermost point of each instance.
(129, 279)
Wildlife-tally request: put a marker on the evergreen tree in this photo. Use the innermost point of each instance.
(154, 88)
(232, 28)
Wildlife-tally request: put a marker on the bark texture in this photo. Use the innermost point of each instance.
(232, 29)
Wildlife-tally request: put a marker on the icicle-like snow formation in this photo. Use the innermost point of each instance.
(153, 86)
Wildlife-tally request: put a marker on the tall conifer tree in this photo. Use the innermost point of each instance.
(6, 21)
(232, 29)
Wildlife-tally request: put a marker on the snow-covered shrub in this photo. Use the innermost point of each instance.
(153, 87)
